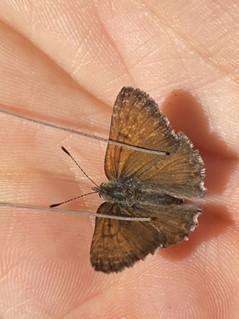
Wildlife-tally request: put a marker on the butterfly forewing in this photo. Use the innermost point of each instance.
(136, 120)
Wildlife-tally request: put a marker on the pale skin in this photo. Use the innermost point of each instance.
(64, 62)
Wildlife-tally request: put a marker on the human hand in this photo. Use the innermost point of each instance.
(64, 63)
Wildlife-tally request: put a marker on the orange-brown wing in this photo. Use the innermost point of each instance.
(137, 121)
(118, 244)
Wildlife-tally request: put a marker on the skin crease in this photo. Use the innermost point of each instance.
(64, 62)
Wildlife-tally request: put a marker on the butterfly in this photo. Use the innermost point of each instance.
(144, 184)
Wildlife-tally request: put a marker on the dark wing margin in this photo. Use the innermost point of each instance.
(118, 244)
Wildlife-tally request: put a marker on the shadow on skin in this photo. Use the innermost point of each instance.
(186, 114)
(214, 221)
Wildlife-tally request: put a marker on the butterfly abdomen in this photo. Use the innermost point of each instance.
(133, 193)
(151, 197)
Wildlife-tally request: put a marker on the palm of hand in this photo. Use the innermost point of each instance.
(66, 67)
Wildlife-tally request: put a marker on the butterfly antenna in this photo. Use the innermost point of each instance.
(71, 199)
(69, 154)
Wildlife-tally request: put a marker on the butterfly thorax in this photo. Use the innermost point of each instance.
(119, 191)
(132, 192)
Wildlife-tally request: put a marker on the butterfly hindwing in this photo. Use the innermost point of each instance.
(117, 244)
(180, 174)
